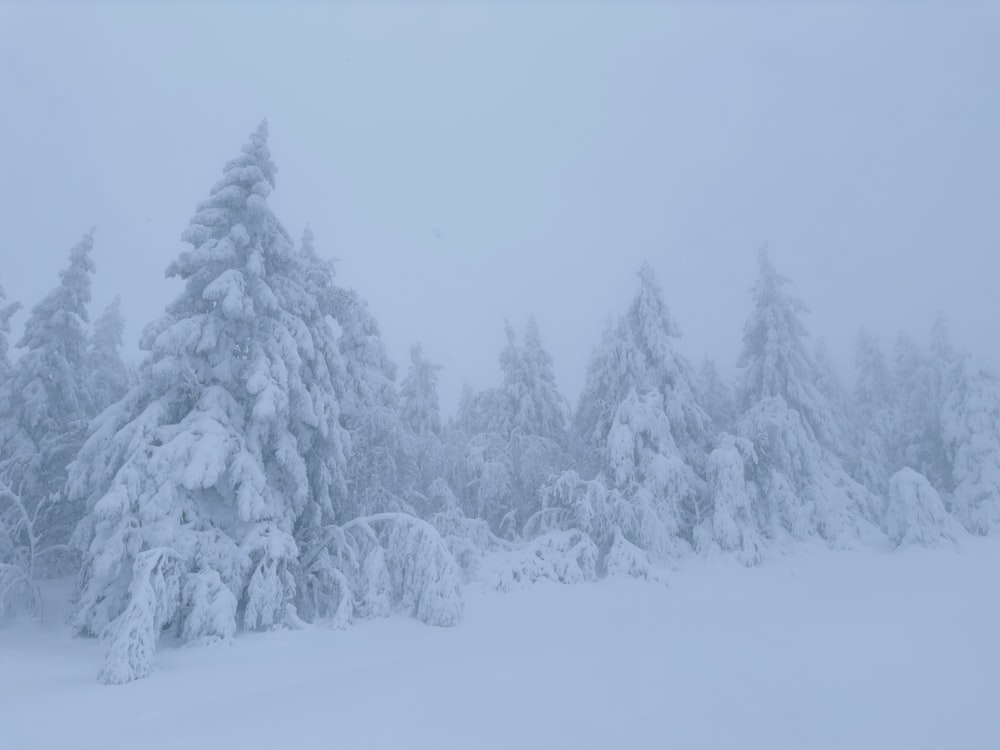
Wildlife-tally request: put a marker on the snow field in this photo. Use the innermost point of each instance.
(816, 650)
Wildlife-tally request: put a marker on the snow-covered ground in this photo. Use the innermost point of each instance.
(817, 650)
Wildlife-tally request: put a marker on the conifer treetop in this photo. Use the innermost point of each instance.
(64, 309)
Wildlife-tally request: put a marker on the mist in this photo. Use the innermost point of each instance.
(701, 446)
(471, 164)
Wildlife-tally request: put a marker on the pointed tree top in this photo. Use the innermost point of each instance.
(769, 281)
(646, 274)
(235, 216)
(71, 296)
(77, 274)
(767, 289)
(532, 335)
(255, 154)
(649, 305)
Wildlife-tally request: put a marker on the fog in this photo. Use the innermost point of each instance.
(468, 164)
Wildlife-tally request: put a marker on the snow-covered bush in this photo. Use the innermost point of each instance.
(570, 502)
(425, 577)
(376, 564)
(23, 551)
(19, 591)
(625, 559)
(915, 513)
(153, 602)
(622, 530)
(560, 556)
(469, 540)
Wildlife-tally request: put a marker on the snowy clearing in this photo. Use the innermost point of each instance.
(817, 650)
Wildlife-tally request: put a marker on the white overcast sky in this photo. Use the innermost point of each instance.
(470, 162)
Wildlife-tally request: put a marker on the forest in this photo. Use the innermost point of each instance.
(266, 466)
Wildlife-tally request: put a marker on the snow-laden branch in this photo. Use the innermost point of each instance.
(383, 561)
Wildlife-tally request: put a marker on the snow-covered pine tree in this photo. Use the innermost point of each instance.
(616, 368)
(381, 467)
(537, 417)
(108, 377)
(197, 479)
(803, 488)
(971, 435)
(421, 414)
(654, 333)
(641, 423)
(537, 406)
(217, 487)
(353, 566)
(48, 406)
(506, 441)
(775, 360)
(476, 456)
(638, 354)
(419, 395)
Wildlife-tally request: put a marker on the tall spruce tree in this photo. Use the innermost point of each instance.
(419, 395)
(511, 438)
(197, 480)
(219, 486)
(381, 467)
(641, 423)
(537, 407)
(421, 414)
(108, 377)
(48, 405)
(802, 487)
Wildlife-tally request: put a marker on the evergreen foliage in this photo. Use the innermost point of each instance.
(262, 469)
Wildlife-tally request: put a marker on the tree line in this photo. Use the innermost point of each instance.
(264, 467)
